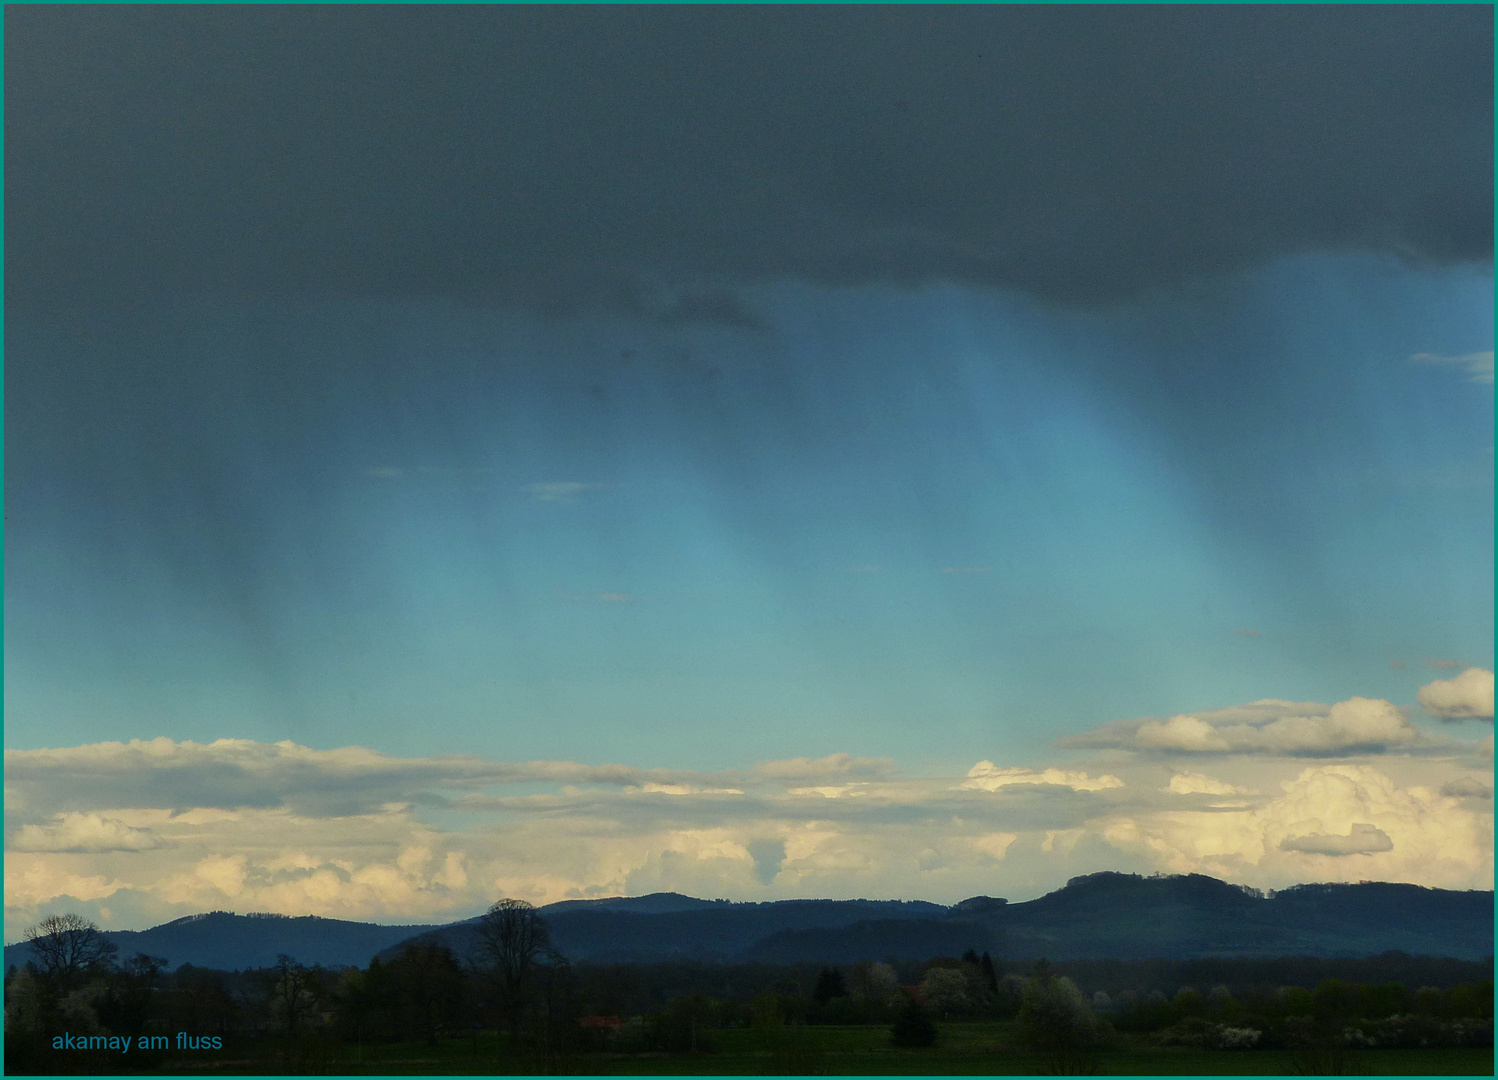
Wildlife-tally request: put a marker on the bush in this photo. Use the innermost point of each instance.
(1205, 1035)
(851, 1010)
(1142, 1014)
(685, 1025)
(946, 992)
(1009, 997)
(913, 1026)
(1055, 1016)
(1420, 1032)
(1471, 999)
(874, 982)
(830, 985)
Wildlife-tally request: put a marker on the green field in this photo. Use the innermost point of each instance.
(976, 1048)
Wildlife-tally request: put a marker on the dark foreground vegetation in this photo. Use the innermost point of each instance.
(514, 1005)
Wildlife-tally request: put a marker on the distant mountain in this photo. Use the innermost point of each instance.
(1129, 916)
(713, 930)
(1126, 916)
(883, 939)
(656, 903)
(1100, 916)
(231, 942)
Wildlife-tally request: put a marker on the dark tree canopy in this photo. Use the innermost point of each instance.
(430, 988)
(990, 973)
(829, 985)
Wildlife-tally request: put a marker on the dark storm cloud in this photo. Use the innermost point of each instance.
(563, 155)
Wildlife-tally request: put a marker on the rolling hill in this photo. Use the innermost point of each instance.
(1099, 916)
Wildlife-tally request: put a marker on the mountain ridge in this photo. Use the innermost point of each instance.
(1095, 916)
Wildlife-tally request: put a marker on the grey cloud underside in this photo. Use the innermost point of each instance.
(655, 158)
(1023, 807)
(302, 786)
(1468, 787)
(336, 784)
(1363, 839)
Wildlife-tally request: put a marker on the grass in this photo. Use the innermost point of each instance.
(964, 1049)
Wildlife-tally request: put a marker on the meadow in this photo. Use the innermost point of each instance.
(963, 1048)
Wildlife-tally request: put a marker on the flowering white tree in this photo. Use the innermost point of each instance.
(1056, 1016)
(945, 991)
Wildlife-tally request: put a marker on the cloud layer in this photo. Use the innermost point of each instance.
(655, 158)
(987, 776)
(237, 773)
(136, 833)
(1293, 729)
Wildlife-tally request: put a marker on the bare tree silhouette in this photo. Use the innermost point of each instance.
(291, 991)
(513, 937)
(67, 945)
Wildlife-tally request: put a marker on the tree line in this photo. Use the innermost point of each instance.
(76, 983)
(517, 988)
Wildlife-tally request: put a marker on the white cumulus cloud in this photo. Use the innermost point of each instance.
(1468, 696)
(83, 833)
(1201, 784)
(986, 776)
(1322, 815)
(1267, 727)
(1181, 733)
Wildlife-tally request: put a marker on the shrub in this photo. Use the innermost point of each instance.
(1055, 1016)
(1009, 997)
(684, 1025)
(945, 990)
(913, 1026)
(1203, 1034)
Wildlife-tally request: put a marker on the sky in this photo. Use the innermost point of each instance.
(750, 452)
